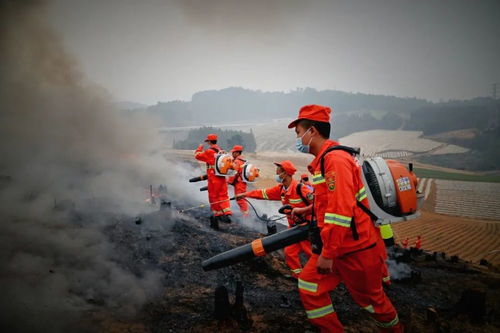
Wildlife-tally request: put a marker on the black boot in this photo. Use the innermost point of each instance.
(226, 218)
(214, 222)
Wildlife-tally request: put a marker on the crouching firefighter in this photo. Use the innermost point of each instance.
(292, 193)
(237, 181)
(350, 251)
(217, 186)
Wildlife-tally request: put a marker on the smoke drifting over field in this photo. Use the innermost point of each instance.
(69, 164)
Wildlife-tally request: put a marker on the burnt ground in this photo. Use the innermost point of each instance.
(177, 244)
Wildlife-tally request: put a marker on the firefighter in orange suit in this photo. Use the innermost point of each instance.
(292, 193)
(304, 179)
(217, 186)
(239, 185)
(350, 251)
(418, 242)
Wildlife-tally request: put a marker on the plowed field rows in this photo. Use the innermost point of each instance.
(470, 199)
(470, 239)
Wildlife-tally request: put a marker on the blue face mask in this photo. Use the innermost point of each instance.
(300, 146)
(278, 179)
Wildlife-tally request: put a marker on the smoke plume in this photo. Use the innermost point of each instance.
(69, 164)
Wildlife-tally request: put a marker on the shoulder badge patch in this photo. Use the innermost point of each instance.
(330, 180)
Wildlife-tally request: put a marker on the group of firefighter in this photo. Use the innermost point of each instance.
(352, 249)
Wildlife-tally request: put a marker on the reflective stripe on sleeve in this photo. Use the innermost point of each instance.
(309, 286)
(264, 194)
(320, 312)
(340, 220)
(297, 271)
(318, 179)
(361, 195)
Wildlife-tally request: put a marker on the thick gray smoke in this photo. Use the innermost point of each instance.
(68, 162)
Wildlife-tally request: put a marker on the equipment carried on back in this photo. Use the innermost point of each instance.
(224, 164)
(249, 173)
(391, 188)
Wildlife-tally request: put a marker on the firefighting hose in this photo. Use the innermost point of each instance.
(262, 218)
(261, 246)
(204, 205)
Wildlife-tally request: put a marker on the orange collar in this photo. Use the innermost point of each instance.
(314, 164)
(289, 189)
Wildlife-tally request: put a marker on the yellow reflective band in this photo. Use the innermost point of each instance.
(297, 271)
(386, 278)
(226, 210)
(264, 194)
(389, 324)
(309, 286)
(361, 195)
(318, 179)
(340, 220)
(210, 166)
(320, 312)
(369, 308)
(295, 201)
(386, 231)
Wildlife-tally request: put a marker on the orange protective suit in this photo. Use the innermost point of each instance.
(239, 185)
(358, 262)
(217, 186)
(289, 196)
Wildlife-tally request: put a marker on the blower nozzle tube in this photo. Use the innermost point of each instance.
(257, 248)
(198, 179)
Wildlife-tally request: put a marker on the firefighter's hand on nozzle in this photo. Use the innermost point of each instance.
(324, 265)
(300, 211)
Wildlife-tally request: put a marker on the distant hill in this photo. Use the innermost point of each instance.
(127, 105)
(242, 105)
(226, 139)
(352, 112)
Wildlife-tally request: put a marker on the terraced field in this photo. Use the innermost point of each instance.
(459, 218)
(470, 199)
(470, 239)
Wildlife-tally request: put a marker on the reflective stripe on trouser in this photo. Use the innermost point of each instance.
(225, 211)
(292, 253)
(361, 274)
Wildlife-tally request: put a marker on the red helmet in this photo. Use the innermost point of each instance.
(211, 137)
(237, 148)
(287, 166)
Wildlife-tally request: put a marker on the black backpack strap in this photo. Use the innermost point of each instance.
(367, 210)
(299, 191)
(354, 230)
(350, 150)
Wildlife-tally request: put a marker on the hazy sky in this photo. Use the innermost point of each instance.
(148, 51)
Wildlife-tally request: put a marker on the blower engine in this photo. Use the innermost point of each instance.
(224, 165)
(249, 173)
(391, 189)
